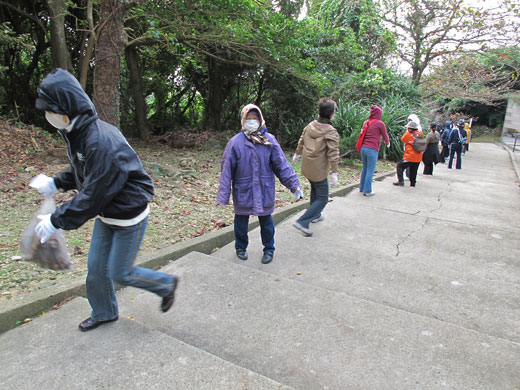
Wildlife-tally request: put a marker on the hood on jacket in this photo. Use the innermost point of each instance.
(245, 111)
(447, 125)
(318, 129)
(61, 92)
(375, 112)
(414, 118)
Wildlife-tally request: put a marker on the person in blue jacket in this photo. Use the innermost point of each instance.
(112, 186)
(456, 141)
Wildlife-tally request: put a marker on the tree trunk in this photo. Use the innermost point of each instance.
(215, 98)
(108, 52)
(59, 50)
(136, 80)
(87, 47)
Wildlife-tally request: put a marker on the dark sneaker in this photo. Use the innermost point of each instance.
(267, 257)
(167, 301)
(241, 254)
(398, 183)
(90, 324)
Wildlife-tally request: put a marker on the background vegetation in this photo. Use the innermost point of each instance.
(155, 67)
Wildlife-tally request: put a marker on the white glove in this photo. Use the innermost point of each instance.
(334, 179)
(295, 158)
(45, 229)
(298, 194)
(44, 184)
(388, 145)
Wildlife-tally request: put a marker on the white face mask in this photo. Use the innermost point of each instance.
(56, 120)
(251, 125)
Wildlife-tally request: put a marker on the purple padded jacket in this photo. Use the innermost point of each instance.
(249, 170)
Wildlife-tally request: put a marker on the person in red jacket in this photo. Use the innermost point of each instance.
(370, 148)
(411, 158)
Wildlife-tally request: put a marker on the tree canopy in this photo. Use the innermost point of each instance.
(155, 66)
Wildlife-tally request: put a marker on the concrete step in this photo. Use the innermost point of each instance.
(310, 337)
(51, 353)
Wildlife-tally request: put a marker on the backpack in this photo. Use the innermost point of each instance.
(462, 139)
(419, 144)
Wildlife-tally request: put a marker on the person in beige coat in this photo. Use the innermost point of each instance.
(319, 149)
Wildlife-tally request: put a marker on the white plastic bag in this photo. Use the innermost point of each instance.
(53, 254)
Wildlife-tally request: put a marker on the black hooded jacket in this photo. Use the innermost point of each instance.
(106, 171)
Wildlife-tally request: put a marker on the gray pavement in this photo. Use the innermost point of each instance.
(414, 288)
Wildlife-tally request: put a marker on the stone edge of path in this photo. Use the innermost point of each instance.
(513, 158)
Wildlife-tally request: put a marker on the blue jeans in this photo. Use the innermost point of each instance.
(266, 232)
(455, 148)
(111, 257)
(369, 159)
(319, 199)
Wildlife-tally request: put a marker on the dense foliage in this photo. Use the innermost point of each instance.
(191, 65)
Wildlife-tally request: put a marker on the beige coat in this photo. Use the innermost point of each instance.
(319, 148)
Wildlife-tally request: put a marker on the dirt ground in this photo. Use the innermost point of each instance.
(186, 183)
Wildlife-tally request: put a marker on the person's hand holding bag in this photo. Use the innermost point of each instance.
(45, 229)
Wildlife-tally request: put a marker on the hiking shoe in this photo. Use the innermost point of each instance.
(267, 257)
(370, 194)
(398, 183)
(319, 219)
(241, 254)
(306, 231)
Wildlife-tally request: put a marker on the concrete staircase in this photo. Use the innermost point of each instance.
(414, 288)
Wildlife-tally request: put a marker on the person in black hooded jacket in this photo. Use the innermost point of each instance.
(112, 186)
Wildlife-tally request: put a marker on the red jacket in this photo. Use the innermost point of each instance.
(376, 130)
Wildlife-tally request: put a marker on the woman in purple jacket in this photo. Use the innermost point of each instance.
(250, 162)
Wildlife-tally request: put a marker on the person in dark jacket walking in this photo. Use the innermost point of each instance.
(431, 154)
(445, 152)
(456, 141)
(250, 162)
(112, 186)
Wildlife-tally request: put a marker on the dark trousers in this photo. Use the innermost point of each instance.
(401, 167)
(445, 153)
(455, 149)
(266, 232)
(428, 168)
(319, 199)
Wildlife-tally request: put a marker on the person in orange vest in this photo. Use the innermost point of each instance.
(411, 158)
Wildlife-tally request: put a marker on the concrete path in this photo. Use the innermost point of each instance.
(414, 288)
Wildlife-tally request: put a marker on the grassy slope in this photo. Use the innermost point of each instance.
(186, 184)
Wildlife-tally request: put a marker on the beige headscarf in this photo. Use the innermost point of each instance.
(255, 136)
